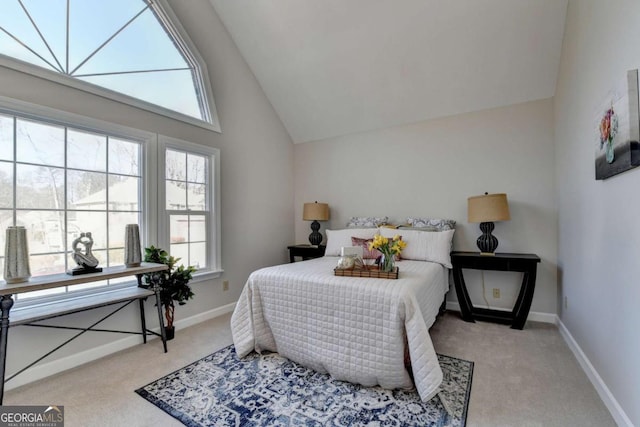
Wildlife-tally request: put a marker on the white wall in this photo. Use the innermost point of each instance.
(430, 168)
(256, 181)
(599, 240)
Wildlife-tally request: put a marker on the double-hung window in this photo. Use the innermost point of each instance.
(189, 203)
(62, 175)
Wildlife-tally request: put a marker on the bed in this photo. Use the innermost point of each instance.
(357, 329)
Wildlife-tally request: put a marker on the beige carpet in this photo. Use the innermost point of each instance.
(521, 378)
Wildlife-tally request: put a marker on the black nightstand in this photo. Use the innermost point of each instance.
(305, 252)
(526, 263)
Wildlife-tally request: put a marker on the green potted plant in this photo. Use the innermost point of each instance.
(173, 283)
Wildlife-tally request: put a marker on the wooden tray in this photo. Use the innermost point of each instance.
(367, 272)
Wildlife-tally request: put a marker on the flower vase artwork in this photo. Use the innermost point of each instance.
(16, 256)
(389, 248)
(608, 131)
(616, 129)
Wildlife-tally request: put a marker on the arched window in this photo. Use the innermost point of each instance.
(131, 47)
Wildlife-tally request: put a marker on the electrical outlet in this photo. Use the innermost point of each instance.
(496, 293)
(225, 285)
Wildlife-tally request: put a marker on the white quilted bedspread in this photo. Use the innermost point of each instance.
(353, 328)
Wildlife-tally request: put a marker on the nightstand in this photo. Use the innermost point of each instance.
(305, 252)
(525, 263)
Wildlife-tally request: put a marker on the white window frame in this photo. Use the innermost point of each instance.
(214, 242)
(149, 230)
(173, 26)
(155, 226)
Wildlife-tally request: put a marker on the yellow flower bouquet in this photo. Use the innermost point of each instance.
(389, 248)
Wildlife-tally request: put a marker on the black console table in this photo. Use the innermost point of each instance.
(30, 316)
(526, 263)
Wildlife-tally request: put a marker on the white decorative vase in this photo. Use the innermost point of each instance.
(16, 256)
(132, 252)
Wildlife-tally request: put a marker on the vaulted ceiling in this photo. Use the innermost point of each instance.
(336, 67)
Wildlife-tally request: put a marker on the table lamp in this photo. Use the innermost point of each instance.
(486, 209)
(315, 212)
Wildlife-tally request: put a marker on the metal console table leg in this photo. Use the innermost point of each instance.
(163, 333)
(5, 305)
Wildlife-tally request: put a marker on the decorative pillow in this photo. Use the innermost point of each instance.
(440, 224)
(336, 239)
(364, 243)
(367, 221)
(425, 245)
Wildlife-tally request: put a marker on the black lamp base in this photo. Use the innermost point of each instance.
(487, 243)
(315, 238)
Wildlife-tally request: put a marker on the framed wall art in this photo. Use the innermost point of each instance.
(617, 130)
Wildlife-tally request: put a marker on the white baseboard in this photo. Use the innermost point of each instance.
(605, 394)
(204, 316)
(533, 315)
(50, 368)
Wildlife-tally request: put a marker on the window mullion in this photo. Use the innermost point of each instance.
(66, 70)
(107, 196)
(189, 258)
(15, 169)
(65, 238)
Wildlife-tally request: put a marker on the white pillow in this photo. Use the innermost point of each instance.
(336, 239)
(434, 246)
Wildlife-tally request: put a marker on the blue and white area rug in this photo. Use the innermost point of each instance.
(269, 390)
